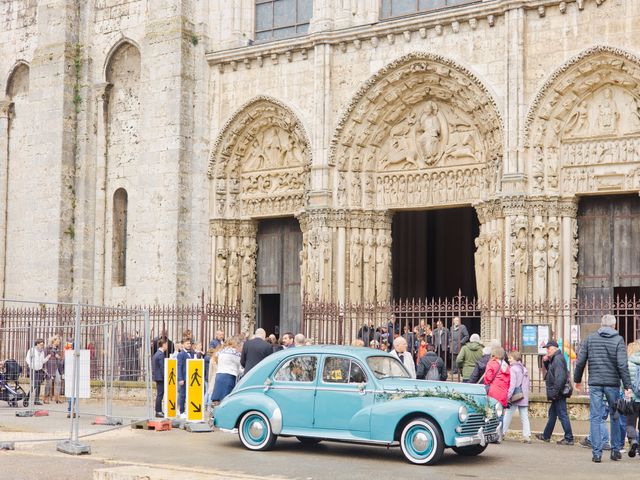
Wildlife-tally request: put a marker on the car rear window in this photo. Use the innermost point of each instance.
(385, 367)
(300, 368)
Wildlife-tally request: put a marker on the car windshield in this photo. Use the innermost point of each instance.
(386, 367)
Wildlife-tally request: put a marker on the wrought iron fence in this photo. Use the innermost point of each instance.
(171, 321)
(567, 322)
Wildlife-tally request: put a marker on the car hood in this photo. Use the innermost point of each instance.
(407, 385)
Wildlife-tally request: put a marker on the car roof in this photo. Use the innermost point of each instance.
(359, 352)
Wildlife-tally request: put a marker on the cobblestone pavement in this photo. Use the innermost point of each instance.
(222, 453)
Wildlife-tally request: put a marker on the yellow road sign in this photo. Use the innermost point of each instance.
(170, 387)
(195, 390)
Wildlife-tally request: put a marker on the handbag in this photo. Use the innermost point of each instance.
(567, 390)
(517, 395)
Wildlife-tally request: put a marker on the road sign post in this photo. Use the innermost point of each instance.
(195, 390)
(170, 387)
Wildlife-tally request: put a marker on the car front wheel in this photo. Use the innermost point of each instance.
(470, 451)
(255, 431)
(421, 442)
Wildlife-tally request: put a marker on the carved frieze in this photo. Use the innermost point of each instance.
(423, 131)
(260, 162)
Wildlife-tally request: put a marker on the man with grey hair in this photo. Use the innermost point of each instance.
(606, 355)
(299, 340)
(400, 352)
(254, 350)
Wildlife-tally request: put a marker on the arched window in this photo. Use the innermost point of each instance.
(399, 8)
(276, 19)
(119, 245)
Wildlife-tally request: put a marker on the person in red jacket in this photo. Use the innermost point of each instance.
(498, 376)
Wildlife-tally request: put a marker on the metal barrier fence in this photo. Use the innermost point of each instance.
(171, 321)
(567, 322)
(65, 359)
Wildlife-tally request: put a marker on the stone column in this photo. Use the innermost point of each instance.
(568, 210)
(323, 14)
(5, 110)
(101, 92)
(341, 260)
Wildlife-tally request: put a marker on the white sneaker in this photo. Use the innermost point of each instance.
(182, 416)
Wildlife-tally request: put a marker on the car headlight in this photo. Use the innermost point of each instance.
(499, 409)
(463, 413)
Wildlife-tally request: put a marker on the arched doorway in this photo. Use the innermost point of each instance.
(420, 143)
(258, 181)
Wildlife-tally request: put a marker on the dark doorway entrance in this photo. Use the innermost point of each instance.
(433, 253)
(269, 307)
(278, 275)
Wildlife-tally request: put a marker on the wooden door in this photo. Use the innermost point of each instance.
(609, 242)
(278, 272)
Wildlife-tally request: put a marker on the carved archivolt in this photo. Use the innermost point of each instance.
(583, 129)
(423, 131)
(260, 162)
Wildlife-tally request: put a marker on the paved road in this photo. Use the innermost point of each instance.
(222, 452)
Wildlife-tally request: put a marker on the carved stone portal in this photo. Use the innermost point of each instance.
(421, 132)
(260, 163)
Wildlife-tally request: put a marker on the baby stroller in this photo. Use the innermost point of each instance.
(12, 394)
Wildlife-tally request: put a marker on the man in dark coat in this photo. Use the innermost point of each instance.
(556, 378)
(458, 337)
(157, 369)
(429, 361)
(255, 350)
(606, 355)
(441, 341)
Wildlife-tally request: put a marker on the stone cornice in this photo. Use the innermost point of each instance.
(386, 30)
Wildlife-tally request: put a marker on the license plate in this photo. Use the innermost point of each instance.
(491, 438)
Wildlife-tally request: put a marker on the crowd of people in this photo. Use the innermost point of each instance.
(614, 373)
(225, 361)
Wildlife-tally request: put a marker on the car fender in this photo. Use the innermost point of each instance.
(228, 413)
(386, 415)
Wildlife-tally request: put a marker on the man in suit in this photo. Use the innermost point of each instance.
(401, 353)
(158, 375)
(254, 350)
(185, 354)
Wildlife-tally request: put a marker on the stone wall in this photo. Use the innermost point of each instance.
(463, 106)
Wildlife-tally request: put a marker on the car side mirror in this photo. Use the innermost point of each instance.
(267, 384)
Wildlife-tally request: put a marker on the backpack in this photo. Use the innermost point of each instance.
(635, 384)
(434, 373)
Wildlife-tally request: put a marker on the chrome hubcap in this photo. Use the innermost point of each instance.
(419, 442)
(255, 429)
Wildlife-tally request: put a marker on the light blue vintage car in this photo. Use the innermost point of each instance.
(358, 395)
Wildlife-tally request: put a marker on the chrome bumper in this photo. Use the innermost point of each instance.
(227, 430)
(478, 439)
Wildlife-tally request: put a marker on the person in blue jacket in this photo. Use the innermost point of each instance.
(183, 356)
(158, 374)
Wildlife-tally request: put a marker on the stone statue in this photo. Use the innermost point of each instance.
(382, 268)
(481, 263)
(578, 123)
(429, 134)
(608, 113)
(520, 266)
(539, 268)
(553, 263)
(368, 267)
(355, 267)
(314, 263)
(302, 255)
(233, 278)
(221, 278)
(326, 263)
(495, 247)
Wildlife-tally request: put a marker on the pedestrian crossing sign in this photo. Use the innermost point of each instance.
(195, 390)
(170, 387)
